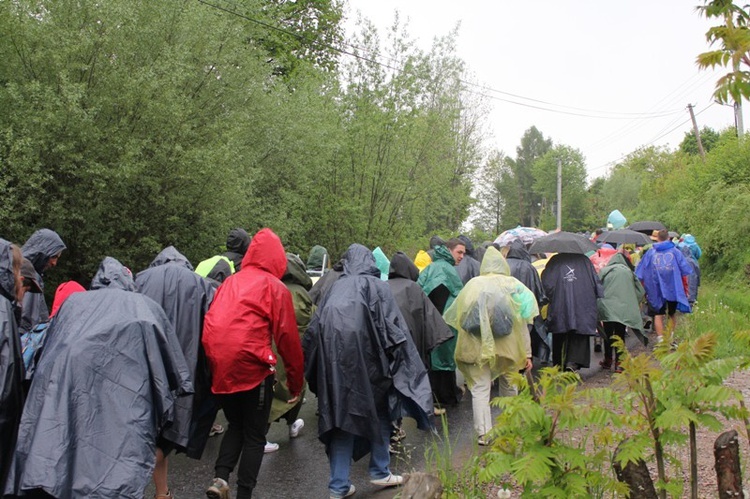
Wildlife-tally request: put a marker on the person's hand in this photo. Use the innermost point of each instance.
(529, 364)
(293, 400)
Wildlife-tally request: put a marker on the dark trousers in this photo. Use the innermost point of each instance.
(247, 414)
(571, 349)
(612, 329)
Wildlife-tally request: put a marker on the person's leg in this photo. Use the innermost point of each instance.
(231, 445)
(659, 327)
(340, 450)
(505, 388)
(619, 331)
(380, 456)
(558, 342)
(608, 330)
(255, 407)
(480, 402)
(160, 474)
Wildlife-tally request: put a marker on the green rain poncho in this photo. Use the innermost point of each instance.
(503, 307)
(382, 262)
(442, 273)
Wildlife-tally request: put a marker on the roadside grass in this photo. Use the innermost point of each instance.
(722, 311)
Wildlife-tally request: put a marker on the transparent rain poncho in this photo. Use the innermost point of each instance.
(491, 314)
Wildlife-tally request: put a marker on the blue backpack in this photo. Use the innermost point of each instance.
(32, 344)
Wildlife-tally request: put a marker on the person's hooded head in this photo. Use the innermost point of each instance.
(422, 260)
(238, 241)
(171, 255)
(315, 260)
(43, 249)
(62, 293)
(494, 263)
(436, 241)
(216, 269)
(381, 260)
(29, 277)
(296, 273)
(9, 271)
(402, 267)
(266, 253)
(517, 250)
(468, 244)
(359, 260)
(113, 275)
(619, 259)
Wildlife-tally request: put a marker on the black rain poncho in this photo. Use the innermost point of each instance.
(185, 297)
(360, 359)
(40, 247)
(11, 362)
(427, 327)
(321, 288)
(103, 389)
(572, 287)
(468, 267)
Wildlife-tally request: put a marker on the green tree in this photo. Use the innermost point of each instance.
(574, 191)
(709, 138)
(533, 146)
(490, 201)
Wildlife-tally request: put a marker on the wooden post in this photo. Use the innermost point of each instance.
(728, 473)
(636, 476)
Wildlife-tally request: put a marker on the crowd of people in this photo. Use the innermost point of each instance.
(96, 393)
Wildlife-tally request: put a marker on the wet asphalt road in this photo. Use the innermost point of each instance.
(299, 469)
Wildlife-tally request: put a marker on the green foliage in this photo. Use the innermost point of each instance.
(709, 138)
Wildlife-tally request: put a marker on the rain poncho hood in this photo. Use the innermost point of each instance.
(496, 308)
(661, 270)
(250, 310)
(63, 291)
(622, 294)
(617, 219)
(519, 261)
(40, 247)
(572, 288)
(217, 269)
(689, 241)
(11, 363)
(315, 259)
(113, 275)
(296, 273)
(185, 297)
(426, 325)
(360, 359)
(468, 267)
(382, 262)
(441, 280)
(422, 260)
(238, 242)
(103, 389)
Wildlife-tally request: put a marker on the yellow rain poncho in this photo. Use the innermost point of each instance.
(491, 314)
(422, 260)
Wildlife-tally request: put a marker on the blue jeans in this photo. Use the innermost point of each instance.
(340, 456)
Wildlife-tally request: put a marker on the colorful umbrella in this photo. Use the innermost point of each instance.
(527, 235)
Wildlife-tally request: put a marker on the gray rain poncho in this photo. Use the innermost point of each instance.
(185, 297)
(103, 390)
(504, 307)
(360, 359)
(11, 363)
(40, 247)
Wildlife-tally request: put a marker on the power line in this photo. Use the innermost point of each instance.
(586, 113)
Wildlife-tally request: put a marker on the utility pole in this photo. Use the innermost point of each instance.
(559, 194)
(697, 133)
(738, 110)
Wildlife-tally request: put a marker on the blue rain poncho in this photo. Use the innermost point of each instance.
(661, 270)
(504, 307)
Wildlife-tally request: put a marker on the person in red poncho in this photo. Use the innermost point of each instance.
(251, 309)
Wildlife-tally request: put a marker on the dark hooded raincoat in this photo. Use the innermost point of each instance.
(360, 359)
(11, 362)
(324, 284)
(103, 390)
(185, 297)
(468, 267)
(250, 310)
(572, 286)
(623, 293)
(40, 247)
(427, 327)
(238, 240)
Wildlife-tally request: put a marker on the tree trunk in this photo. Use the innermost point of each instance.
(728, 473)
(636, 476)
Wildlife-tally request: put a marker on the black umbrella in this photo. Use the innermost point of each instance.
(562, 242)
(624, 236)
(646, 227)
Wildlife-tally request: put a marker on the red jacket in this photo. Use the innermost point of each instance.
(251, 308)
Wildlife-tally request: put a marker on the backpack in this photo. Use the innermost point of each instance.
(32, 343)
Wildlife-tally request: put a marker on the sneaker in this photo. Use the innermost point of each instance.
(483, 441)
(388, 481)
(295, 427)
(439, 411)
(349, 493)
(619, 369)
(270, 447)
(219, 489)
(216, 429)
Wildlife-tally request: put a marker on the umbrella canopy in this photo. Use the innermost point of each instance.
(563, 242)
(624, 236)
(673, 234)
(527, 235)
(646, 227)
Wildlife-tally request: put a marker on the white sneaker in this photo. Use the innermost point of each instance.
(270, 447)
(389, 481)
(296, 427)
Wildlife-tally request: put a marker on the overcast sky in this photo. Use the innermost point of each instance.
(579, 60)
